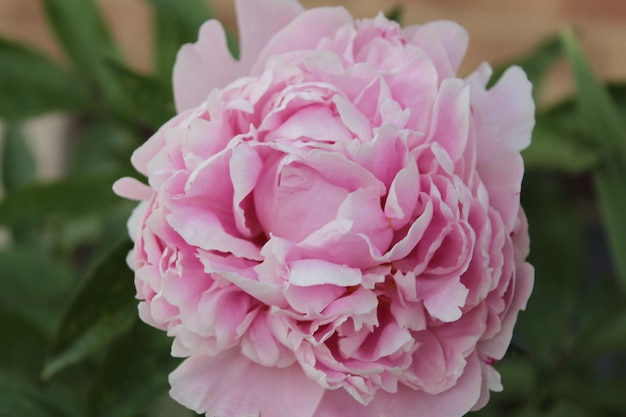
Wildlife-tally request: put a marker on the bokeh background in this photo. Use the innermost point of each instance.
(73, 107)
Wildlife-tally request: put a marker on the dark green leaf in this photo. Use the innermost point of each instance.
(100, 332)
(18, 162)
(189, 14)
(168, 38)
(32, 84)
(604, 397)
(33, 286)
(134, 373)
(151, 101)
(81, 30)
(558, 255)
(609, 336)
(102, 147)
(600, 117)
(537, 64)
(618, 94)
(396, 13)
(558, 143)
(602, 122)
(101, 310)
(25, 353)
(70, 197)
(20, 398)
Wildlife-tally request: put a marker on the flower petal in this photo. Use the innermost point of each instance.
(230, 385)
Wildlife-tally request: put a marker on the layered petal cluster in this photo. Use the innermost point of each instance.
(332, 225)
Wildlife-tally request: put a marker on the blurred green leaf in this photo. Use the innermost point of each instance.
(600, 117)
(134, 373)
(25, 353)
(165, 406)
(189, 14)
(558, 144)
(102, 331)
(151, 101)
(81, 30)
(18, 162)
(395, 14)
(566, 409)
(603, 397)
(618, 94)
(20, 398)
(32, 84)
(33, 286)
(101, 310)
(518, 378)
(559, 257)
(177, 23)
(103, 146)
(609, 336)
(536, 64)
(602, 122)
(168, 38)
(67, 198)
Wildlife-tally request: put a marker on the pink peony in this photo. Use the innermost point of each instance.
(332, 225)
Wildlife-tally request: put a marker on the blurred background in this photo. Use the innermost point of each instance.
(84, 82)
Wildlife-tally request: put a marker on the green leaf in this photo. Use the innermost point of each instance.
(133, 374)
(100, 332)
(602, 122)
(67, 198)
(177, 23)
(599, 115)
(537, 64)
(610, 336)
(396, 13)
(81, 30)
(618, 94)
(25, 353)
(559, 257)
(20, 398)
(103, 146)
(151, 101)
(18, 162)
(32, 84)
(189, 14)
(168, 38)
(33, 286)
(558, 143)
(101, 310)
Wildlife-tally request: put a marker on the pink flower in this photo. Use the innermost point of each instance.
(332, 225)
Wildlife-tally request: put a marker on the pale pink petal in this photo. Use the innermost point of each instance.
(132, 189)
(230, 385)
(444, 41)
(451, 403)
(524, 280)
(501, 170)
(203, 66)
(444, 300)
(508, 106)
(450, 123)
(304, 32)
(307, 272)
(259, 21)
(402, 196)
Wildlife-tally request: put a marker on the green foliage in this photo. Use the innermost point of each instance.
(67, 301)
(31, 84)
(604, 125)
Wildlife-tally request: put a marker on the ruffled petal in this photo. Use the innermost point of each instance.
(230, 385)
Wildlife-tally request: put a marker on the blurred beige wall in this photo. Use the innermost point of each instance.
(499, 29)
